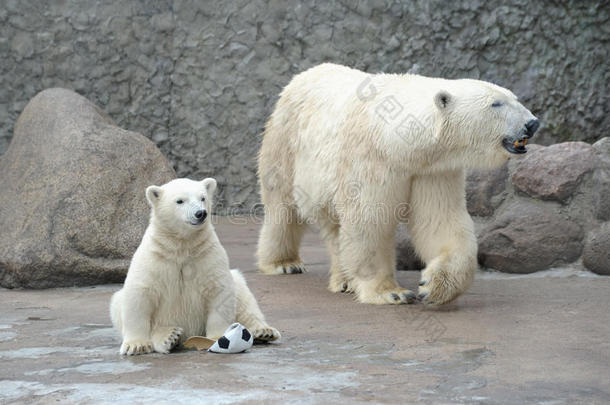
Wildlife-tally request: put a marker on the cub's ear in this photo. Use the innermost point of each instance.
(210, 185)
(443, 100)
(153, 195)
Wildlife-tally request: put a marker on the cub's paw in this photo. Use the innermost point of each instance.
(132, 347)
(165, 339)
(294, 267)
(265, 334)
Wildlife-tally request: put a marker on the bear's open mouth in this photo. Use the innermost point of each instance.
(515, 146)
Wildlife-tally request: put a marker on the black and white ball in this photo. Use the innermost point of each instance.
(236, 339)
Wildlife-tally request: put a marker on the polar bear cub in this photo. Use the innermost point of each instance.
(179, 283)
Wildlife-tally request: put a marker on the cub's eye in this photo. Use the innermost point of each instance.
(202, 198)
(497, 104)
(179, 202)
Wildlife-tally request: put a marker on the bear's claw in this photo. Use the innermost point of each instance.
(347, 288)
(293, 269)
(403, 297)
(166, 339)
(409, 297)
(265, 334)
(131, 348)
(288, 267)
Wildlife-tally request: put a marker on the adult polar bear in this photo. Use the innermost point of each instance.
(358, 153)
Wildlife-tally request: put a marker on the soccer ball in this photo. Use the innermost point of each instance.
(236, 339)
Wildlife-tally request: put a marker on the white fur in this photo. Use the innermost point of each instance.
(331, 154)
(179, 283)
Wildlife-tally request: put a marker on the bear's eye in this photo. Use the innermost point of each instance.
(202, 198)
(179, 202)
(497, 104)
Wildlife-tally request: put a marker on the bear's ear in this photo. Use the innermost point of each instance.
(443, 100)
(153, 195)
(210, 185)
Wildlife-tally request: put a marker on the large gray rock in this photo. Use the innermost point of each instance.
(600, 181)
(72, 194)
(484, 190)
(528, 237)
(596, 254)
(603, 146)
(555, 172)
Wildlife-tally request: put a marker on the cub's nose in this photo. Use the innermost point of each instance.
(532, 126)
(201, 214)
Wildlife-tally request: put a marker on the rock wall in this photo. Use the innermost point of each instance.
(199, 78)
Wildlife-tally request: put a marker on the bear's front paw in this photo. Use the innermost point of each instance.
(165, 339)
(135, 346)
(436, 288)
(265, 334)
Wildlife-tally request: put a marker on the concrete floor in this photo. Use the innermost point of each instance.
(508, 340)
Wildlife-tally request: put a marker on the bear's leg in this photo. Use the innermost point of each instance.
(279, 241)
(221, 309)
(367, 256)
(339, 281)
(115, 311)
(443, 235)
(248, 312)
(131, 312)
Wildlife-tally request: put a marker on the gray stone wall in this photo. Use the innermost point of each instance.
(200, 77)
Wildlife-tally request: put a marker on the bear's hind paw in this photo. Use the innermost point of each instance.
(394, 297)
(403, 297)
(340, 285)
(284, 268)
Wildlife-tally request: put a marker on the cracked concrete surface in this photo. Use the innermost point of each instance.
(509, 340)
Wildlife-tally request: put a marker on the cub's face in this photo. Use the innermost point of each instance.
(486, 120)
(182, 205)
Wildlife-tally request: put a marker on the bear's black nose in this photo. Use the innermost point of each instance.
(532, 126)
(201, 214)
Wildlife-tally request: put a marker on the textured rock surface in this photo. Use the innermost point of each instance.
(601, 181)
(530, 237)
(596, 255)
(72, 194)
(484, 190)
(200, 78)
(554, 173)
(603, 146)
